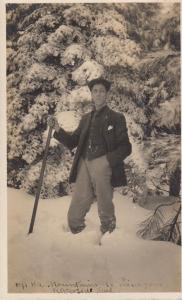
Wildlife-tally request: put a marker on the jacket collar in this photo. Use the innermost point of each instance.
(101, 110)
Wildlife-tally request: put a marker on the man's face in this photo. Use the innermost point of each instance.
(99, 95)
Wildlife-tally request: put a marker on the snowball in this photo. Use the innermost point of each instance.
(68, 120)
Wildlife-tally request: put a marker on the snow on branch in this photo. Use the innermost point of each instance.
(87, 71)
(73, 53)
(120, 52)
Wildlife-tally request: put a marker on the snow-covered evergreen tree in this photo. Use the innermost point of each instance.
(54, 49)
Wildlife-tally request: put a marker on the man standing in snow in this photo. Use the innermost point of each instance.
(102, 144)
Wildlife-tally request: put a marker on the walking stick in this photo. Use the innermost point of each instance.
(40, 181)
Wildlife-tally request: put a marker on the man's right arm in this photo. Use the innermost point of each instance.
(68, 139)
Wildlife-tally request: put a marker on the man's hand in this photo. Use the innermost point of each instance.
(52, 122)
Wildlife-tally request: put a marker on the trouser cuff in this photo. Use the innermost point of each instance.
(108, 227)
(77, 229)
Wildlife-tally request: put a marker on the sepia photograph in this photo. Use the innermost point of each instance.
(93, 118)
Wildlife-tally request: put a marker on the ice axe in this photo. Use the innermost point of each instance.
(40, 180)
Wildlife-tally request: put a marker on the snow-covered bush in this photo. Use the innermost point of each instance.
(81, 94)
(163, 156)
(87, 71)
(33, 148)
(40, 71)
(37, 112)
(78, 15)
(15, 141)
(120, 52)
(55, 176)
(74, 53)
(15, 105)
(60, 85)
(54, 49)
(124, 103)
(168, 114)
(134, 129)
(31, 39)
(160, 74)
(47, 22)
(75, 99)
(110, 22)
(24, 56)
(46, 50)
(38, 77)
(64, 34)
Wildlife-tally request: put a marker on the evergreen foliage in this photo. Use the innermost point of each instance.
(161, 227)
(54, 49)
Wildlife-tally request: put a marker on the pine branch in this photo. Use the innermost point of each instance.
(154, 228)
(158, 187)
(151, 225)
(174, 223)
(166, 204)
(171, 230)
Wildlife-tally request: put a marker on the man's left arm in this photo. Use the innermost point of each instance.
(123, 147)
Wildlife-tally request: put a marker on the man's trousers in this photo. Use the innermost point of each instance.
(93, 181)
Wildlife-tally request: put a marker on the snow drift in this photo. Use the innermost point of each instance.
(53, 260)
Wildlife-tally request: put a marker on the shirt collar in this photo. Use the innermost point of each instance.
(97, 112)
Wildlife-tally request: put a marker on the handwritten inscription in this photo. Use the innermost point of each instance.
(84, 287)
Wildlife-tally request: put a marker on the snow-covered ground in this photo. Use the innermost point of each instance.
(52, 260)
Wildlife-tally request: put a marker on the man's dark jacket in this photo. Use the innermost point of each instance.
(118, 147)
